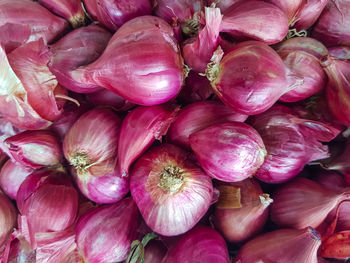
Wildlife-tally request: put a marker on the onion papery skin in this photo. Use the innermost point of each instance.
(338, 88)
(255, 20)
(242, 210)
(8, 219)
(35, 22)
(224, 4)
(105, 97)
(197, 116)
(104, 234)
(18, 250)
(284, 245)
(113, 14)
(47, 202)
(301, 203)
(289, 143)
(71, 10)
(309, 14)
(250, 78)
(141, 63)
(78, 48)
(230, 151)
(333, 26)
(290, 8)
(35, 149)
(336, 246)
(171, 192)
(341, 52)
(140, 128)
(11, 177)
(202, 244)
(305, 76)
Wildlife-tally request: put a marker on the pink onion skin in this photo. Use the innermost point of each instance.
(11, 177)
(18, 250)
(284, 245)
(202, 244)
(291, 143)
(47, 202)
(144, 68)
(301, 203)
(197, 51)
(71, 10)
(341, 52)
(8, 219)
(239, 221)
(140, 128)
(104, 234)
(171, 192)
(78, 48)
(35, 149)
(197, 116)
(35, 22)
(305, 76)
(250, 78)
(290, 8)
(230, 151)
(255, 20)
(106, 97)
(224, 4)
(309, 14)
(113, 14)
(333, 26)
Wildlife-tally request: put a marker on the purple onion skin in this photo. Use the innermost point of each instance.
(341, 52)
(251, 78)
(201, 244)
(78, 48)
(309, 14)
(230, 151)
(224, 4)
(8, 219)
(113, 14)
(104, 234)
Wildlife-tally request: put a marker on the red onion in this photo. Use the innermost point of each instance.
(142, 63)
(338, 88)
(24, 21)
(198, 51)
(93, 155)
(336, 246)
(108, 98)
(229, 151)
(333, 26)
(250, 78)
(47, 202)
(171, 192)
(341, 52)
(291, 143)
(198, 116)
(242, 210)
(35, 149)
(255, 20)
(11, 177)
(201, 244)
(8, 217)
(140, 128)
(104, 234)
(72, 10)
(284, 245)
(78, 48)
(113, 14)
(290, 8)
(309, 13)
(302, 203)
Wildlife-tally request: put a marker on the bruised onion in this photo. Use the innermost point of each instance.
(105, 97)
(78, 48)
(250, 78)
(309, 13)
(284, 245)
(242, 210)
(113, 14)
(142, 63)
(35, 149)
(11, 177)
(8, 217)
(201, 244)
(104, 234)
(24, 21)
(139, 129)
(256, 20)
(198, 116)
(229, 151)
(170, 191)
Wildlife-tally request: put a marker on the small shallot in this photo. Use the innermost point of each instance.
(309, 13)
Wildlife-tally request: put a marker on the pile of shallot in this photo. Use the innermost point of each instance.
(174, 131)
